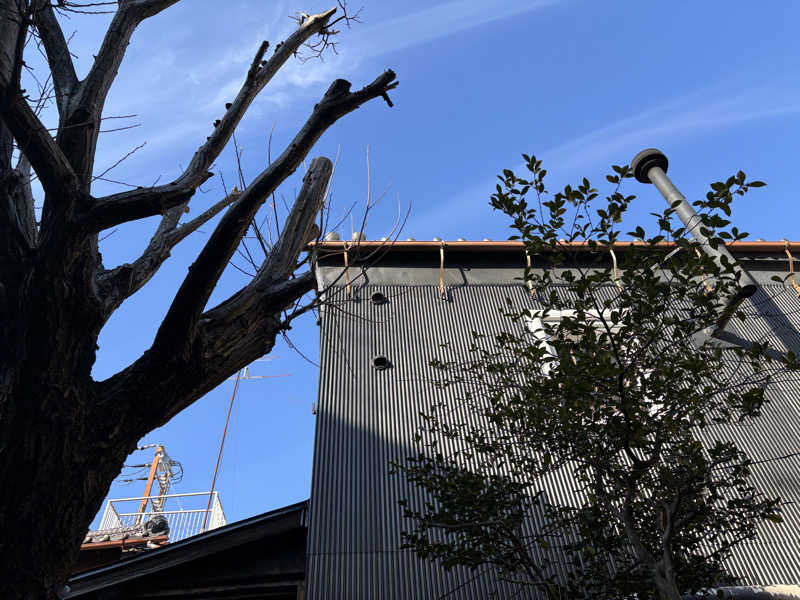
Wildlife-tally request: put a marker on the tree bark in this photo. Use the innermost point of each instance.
(666, 584)
(54, 478)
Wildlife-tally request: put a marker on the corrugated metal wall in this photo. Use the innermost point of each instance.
(368, 417)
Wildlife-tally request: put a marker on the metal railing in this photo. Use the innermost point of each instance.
(185, 513)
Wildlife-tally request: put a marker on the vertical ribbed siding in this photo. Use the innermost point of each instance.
(772, 441)
(367, 418)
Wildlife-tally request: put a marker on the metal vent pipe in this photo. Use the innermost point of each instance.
(650, 166)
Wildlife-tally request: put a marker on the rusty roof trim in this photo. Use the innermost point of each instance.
(125, 543)
(743, 247)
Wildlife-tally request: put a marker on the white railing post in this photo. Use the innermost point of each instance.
(217, 514)
(110, 518)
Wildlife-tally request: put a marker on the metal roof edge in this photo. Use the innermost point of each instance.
(511, 245)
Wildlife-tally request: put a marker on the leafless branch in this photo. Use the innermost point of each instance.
(129, 14)
(62, 69)
(193, 294)
(226, 341)
(25, 210)
(196, 288)
(120, 161)
(84, 8)
(123, 281)
(326, 40)
(136, 204)
(33, 139)
(30, 134)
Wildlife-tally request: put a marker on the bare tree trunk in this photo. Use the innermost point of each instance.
(53, 484)
(58, 452)
(666, 584)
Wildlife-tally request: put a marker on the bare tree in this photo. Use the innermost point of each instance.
(64, 436)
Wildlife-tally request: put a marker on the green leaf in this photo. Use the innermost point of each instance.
(774, 518)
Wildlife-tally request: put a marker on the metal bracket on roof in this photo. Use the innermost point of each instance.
(726, 340)
(615, 268)
(442, 291)
(787, 249)
(709, 287)
(723, 341)
(347, 270)
(528, 282)
(669, 255)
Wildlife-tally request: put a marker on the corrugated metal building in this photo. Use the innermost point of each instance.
(376, 378)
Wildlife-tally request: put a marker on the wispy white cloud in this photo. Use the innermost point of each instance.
(178, 90)
(703, 112)
(220, 67)
(685, 117)
(439, 21)
(362, 41)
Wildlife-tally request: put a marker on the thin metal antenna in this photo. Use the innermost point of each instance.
(241, 374)
(245, 373)
(221, 445)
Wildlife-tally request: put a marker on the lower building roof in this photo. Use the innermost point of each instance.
(255, 557)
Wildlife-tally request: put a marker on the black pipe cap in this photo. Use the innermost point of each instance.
(646, 160)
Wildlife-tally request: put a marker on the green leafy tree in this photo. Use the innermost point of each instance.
(611, 378)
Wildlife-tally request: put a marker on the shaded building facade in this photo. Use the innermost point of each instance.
(389, 310)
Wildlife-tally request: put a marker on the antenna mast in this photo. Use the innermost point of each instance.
(240, 374)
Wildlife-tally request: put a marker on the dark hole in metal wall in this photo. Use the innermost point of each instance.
(381, 363)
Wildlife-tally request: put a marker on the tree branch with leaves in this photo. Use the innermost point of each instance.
(609, 378)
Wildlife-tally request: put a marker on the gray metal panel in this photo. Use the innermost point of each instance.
(366, 418)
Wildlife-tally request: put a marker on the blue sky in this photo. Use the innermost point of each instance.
(580, 84)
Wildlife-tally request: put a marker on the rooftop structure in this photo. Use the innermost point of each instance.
(259, 557)
(132, 525)
(185, 515)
